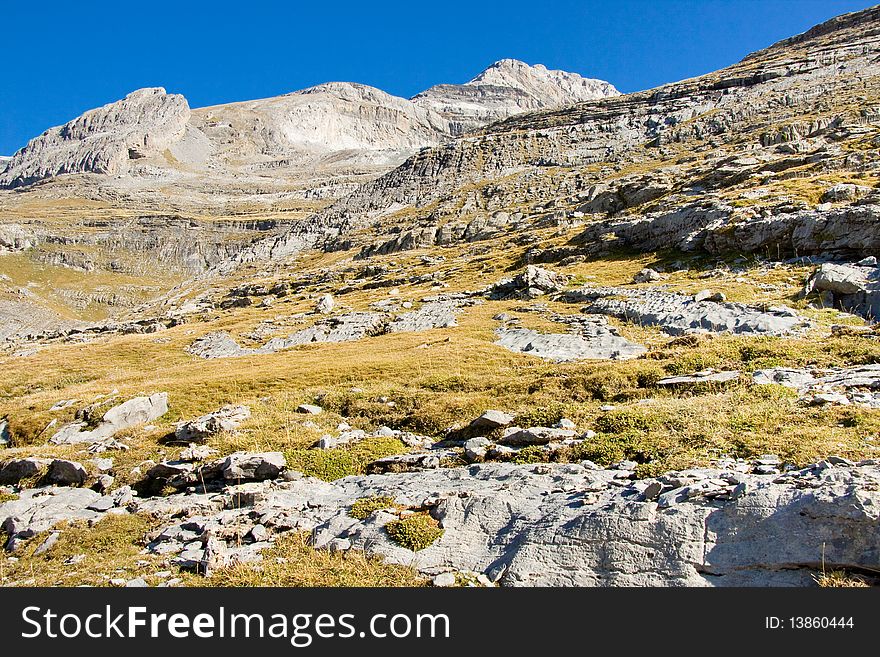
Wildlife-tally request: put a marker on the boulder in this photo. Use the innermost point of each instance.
(227, 418)
(492, 420)
(535, 436)
(475, 449)
(66, 473)
(647, 275)
(12, 472)
(247, 466)
(325, 305)
(131, 413)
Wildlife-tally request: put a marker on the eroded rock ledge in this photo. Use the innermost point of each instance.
(527, 525)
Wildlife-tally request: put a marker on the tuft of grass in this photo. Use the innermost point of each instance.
(415, 532)
(365, 506)
(530, 454)
(7, 497)
(840, 579)
(110, 548)
(292, 561)
(333, 464)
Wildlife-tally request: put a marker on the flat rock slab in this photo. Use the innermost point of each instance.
(708, 376)
(677, 314)
(561, 347)
(858, 385)
(569, 524)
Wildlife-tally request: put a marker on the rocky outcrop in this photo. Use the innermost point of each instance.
(200, 429)
(854, 288)
(103, 140)
(678, 313)
(595, 341)
(840, 385)
(567, 525)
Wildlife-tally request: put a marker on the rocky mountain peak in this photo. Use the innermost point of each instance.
(506, 88)
(545, 85)
(103, 140)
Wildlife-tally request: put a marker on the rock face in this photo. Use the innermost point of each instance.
(571, 525)
(506, 88)
(103, 140)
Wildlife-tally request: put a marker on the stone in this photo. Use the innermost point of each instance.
(66, 473)
(706, 376)
(652, 491)
(309, 409)
(131, 413)
(535, 436)
(324, 305)
(227, 418)
(104, 503)
(854, 288)
(444, 580)
(259, 533)
(247, 466)
(48, 544)
(475, 449)
(709, 295)
(14, 471)
(532, 282)
(492, 419)
(647, 275)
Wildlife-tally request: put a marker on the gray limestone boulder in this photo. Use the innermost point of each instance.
(228, 418)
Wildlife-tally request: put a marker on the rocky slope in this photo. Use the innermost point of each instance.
(628, 341)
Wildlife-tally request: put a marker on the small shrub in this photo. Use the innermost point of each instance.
(542, 415)
(333, 464)
(530, 454)
(363, 507)
(415, 532)
(626, 420)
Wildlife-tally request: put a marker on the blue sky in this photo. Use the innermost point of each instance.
(62, 58)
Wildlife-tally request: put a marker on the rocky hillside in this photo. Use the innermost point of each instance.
(326, 339)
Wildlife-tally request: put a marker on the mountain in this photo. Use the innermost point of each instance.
(103, 140)
(626, 341)
(340, 125)
(506, 88)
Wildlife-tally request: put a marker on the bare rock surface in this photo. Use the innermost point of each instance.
(570, 525)
(857, 385)
(678, 313)
(226, 418)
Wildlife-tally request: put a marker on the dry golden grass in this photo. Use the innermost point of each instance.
(293, 562)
